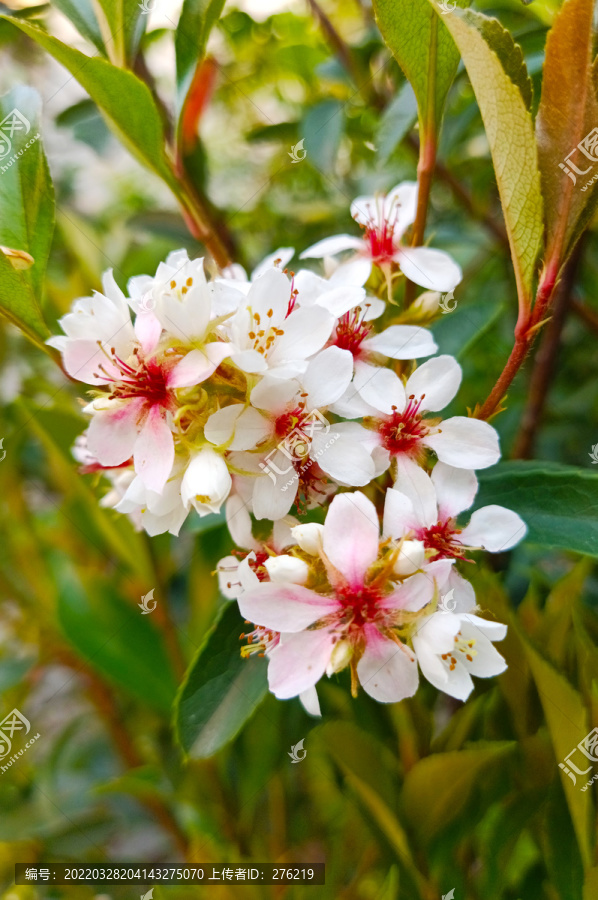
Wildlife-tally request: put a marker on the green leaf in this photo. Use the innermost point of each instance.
(221, 689)
(116, 639)
(442, 784)
(559, 504)
(27, 203)
(568, 112)
(122, 23)
(425, 51)
(124, 99)
(81, 14)
(497, 73)
(396, 121)
(198, 17)
(568, 724)
(322, 129)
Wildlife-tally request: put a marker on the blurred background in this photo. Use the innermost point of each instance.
(403, 801)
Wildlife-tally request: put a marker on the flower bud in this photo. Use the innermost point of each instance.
(309, 537)
(287, 568)
(340, 657)
(412, 556)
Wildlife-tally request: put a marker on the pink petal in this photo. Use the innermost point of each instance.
(198, 365)
(147, 330)
(154, 451)
(299, 661)
(351, 535)
(112, 434)
(285, 607)
(387, 672)
(83, 359)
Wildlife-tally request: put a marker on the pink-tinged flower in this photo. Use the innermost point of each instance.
(132, 417)
(424, 509)
(349, 608)
(397, 420)
(384, 220)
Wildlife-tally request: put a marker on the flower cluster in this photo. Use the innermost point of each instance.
(267, 394)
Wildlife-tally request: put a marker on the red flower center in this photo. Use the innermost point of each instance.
(351, 331)
(360, 606)
(148, 380)
(403, 432)
(442, 538)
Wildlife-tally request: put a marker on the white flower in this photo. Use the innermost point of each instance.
(268, 332)
(424, 509)
(384, 220)
(452, 648)
(396, 415)
(206, 483)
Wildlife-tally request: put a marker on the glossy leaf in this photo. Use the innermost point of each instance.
(559, 504)
(27, 203)
(221, 689)
(496, 70)
(122, 23)
(100, 624)
(568, 112)
(568, 724)
(198, 17)
(82, 15)
(124, 99)
(424, 50)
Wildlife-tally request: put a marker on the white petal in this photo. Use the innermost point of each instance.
(399, 515)
(250, 430)
(380, 388)
(437, 380)
(351, 536)
(238, 522)
(339, 300)
(269, 297)
(402, 342)
(465, 443)
(220, 427)
(400, 206)
(475, 626)
(273, 394)
(387, 672)
(438, 631)
(327, 377)
(419, 488)
(487, 663)
(455, 489)
(310, 537)
(494, 528)
(354, 271)
(431, 269)
(305, 332)
(415, 593)
(282, 256)
(249, 361)
(283, 607)
(368, 210)
(273, 498)
(298, 662)
(310, 702)
(342, 458)
(331, 245)
(462, 595)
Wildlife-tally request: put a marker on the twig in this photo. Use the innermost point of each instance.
(544, 364)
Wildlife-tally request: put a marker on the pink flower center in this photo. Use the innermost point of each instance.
(403, 432)
(351, 331)
(148, 381)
